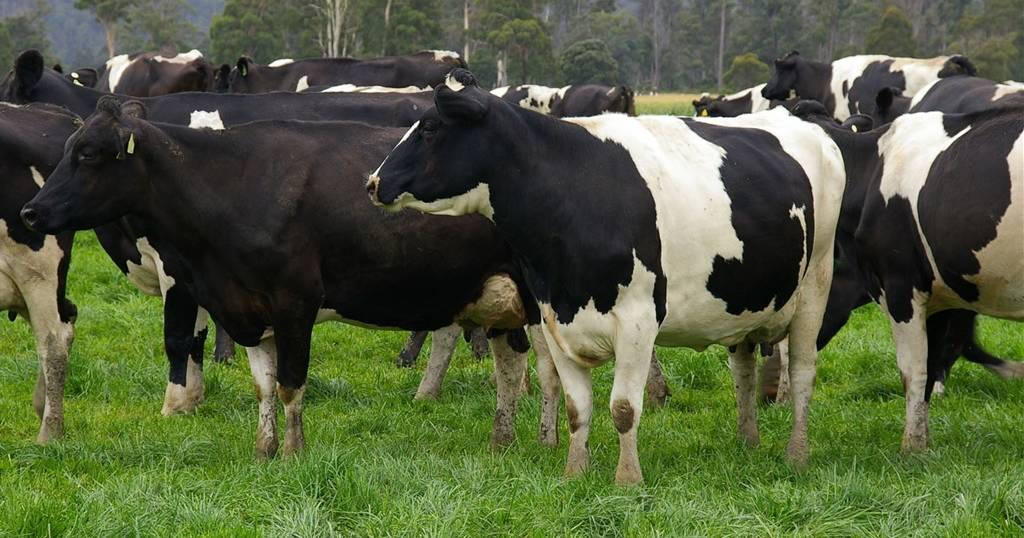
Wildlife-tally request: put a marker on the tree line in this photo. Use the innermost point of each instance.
(650, 44)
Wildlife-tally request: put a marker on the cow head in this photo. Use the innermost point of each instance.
(958, 65)
(85, 76)
(784, 77)
(889, 105)
(622, 99)
(100, 177)
(221, 78)
(439, 166)
(701, 107)
(20, 83)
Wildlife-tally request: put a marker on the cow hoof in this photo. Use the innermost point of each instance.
(914, 444)
(178, 400)
(548, 438)
(576, 468)
(502, 439)
(266, 449)
(50, 432)
(426, 395)
(628, 477)
(797, 455)
(751, 438)
(292, 448)
(657, 395)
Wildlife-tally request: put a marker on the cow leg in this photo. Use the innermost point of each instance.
(973, 352)
(293, 342)
(194, 386)
(263, 365)
(224, 348)
(633, 352)
(802, 352)
(53, 343)
(509, 365)
(550, 388)
(411, 350)
(782, 394)
(478, 343)
(181, 317)
(657, 388)
(442, 347)
(768, 375)
(911, 338)
(579, 405)
(743, 367)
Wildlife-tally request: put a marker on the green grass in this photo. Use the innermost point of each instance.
(671, 104)
(380, 464)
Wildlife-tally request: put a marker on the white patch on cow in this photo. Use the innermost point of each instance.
(917, 72)
(352, 88)
(302, 84)
(148, 275)
(181, 58)
(36, 176)
(202, 119)
(281, 62)
(25, 272)
(500, 91)
(374, 175)
(476, 200)
(540, 98)
(440, 55)
(757, 102)
(115, 69)
(1002, 90)
(1013, 83)
(907, 158)
(453, 84)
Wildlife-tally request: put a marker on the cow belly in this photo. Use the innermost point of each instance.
(10, 296)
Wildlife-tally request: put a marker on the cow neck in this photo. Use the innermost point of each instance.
(814, 80)
(185, 205)
(861, 161)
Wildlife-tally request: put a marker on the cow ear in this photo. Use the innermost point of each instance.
(466, 105)
(884, 98)
(58, 68)
(243, 65)
(28, 70)
(135, 110)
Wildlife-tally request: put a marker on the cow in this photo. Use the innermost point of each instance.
(126, 242)
(148, 74)
(352, 88)
(269, 250)
(85, 76)
(933, 222)
(953, 95)
(850, 85)
(33, 266)
(636, 231)
(571, 101)
(424, 68)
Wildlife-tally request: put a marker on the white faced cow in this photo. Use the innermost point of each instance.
(636, 231)
(850, 85)
(33, 266)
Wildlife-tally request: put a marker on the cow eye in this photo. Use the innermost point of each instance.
(429, 127)
(87, 155)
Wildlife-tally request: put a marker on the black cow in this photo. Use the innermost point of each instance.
(571, 101)
(850, 85)
(958, 94)
(34, 267)
(273, 234)
(680, 231)
(148, 74)
(933, 222)
(425, 68)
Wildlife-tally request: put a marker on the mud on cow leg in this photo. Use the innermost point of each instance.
(293, 337)
(633, 354)
(263, 365)
(742, 365)
(912, 356)
(550, 388)
(478, 343)
(224, 348)
(442, 347)
(509, 365)
(411, 350)
(657, 387)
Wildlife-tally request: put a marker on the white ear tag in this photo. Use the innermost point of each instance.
(131, 144)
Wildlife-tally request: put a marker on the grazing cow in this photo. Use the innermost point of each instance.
(850, 85)
(134, 253)
(933, 220)
(745, 101)
(425, 68)
(953, 95)
(148, 74)
(571, 101)
(270, 250)
(636, 231)
(34, 267)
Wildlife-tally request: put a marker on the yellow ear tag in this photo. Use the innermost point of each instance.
(131, 144)
(76, 83)
(853, 128)
(704, 112)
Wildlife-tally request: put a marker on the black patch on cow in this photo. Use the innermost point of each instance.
(774, 243)
(966, 195)
(864, 89)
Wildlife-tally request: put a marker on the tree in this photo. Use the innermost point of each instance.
(622, 34)
(333, 15)
(518, 39)
(746, 71)
(893, 35)
(110, 13)
(23, 31)
(159, 25)
(263, 30)
(588, 61)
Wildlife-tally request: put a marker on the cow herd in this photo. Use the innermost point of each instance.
(555, 217)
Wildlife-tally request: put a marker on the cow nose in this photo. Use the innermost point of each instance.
(29, 217)
(371, 187)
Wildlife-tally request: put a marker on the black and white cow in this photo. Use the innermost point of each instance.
(424, 68)
(33, 266)
(571, 101)
(933, 219)
(958, 94)
(269, 250)
(745, 101)
(636, 231)
(850, 85)
(148, 74)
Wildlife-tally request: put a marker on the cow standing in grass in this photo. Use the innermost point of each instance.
(33, 266)
(636, 231)
(850, 85)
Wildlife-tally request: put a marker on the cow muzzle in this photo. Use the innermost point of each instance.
(30, 217)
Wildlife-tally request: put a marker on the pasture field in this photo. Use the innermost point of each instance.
(673, 104)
